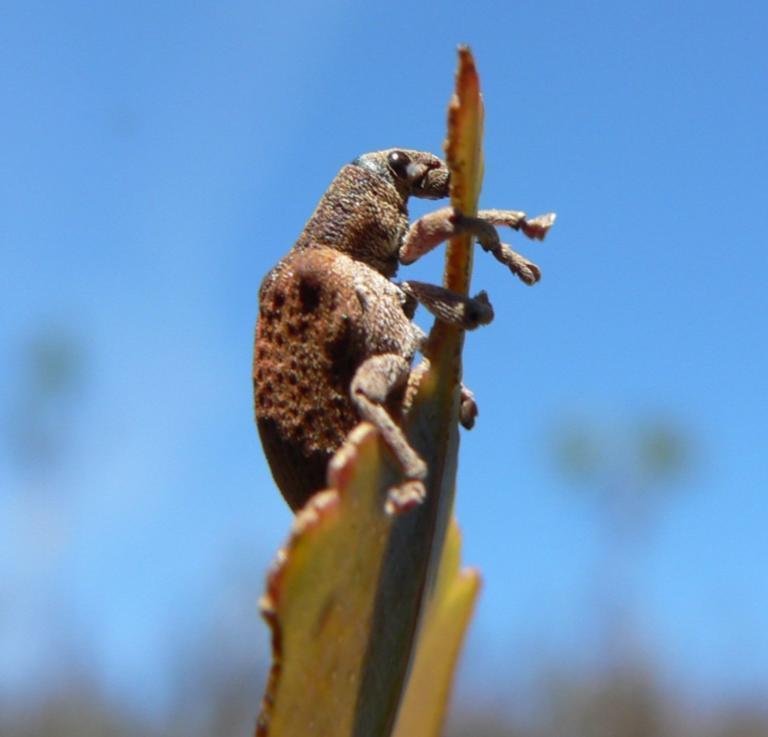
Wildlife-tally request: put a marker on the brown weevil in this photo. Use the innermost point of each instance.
(335, 337)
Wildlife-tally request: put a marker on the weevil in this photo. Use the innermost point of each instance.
(335, 337)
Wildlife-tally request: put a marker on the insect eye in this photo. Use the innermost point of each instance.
(398, 162)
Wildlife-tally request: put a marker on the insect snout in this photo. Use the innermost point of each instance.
(434, 182)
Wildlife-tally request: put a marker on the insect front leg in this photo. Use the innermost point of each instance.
(436, 227)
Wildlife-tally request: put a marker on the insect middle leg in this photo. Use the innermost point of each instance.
(451, 307)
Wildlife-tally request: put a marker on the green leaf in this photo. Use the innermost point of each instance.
(446, 620)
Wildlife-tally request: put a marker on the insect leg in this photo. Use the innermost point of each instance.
(373, 383)
(449, 306)
(434, 228)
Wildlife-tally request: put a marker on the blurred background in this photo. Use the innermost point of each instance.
(158, 158)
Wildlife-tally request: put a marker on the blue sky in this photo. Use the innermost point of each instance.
(158, 158)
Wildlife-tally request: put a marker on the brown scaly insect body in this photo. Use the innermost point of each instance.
(335, 337)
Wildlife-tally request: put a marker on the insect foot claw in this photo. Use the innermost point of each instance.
(479, 310)
(526, 270)
(529, 273)
(538, 227)
(468, 410)
(404, 497)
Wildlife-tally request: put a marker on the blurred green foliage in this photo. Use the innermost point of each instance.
(625, 702)
(640, 453)
(48, 383)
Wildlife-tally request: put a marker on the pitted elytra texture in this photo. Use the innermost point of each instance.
(335, 337)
